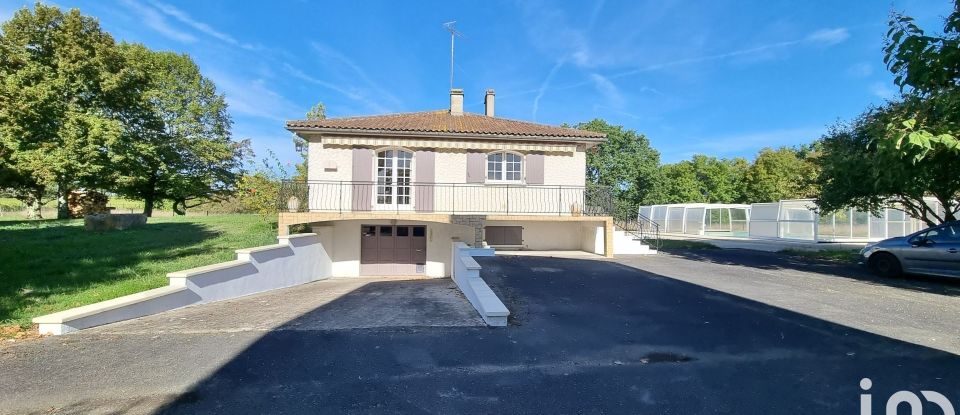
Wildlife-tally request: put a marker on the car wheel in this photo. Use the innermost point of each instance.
(885, 265)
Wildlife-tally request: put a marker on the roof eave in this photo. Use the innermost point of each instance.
(439, 135)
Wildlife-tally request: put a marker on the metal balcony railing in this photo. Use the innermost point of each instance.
(446, 198)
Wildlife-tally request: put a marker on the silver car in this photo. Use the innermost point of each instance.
(932, 251)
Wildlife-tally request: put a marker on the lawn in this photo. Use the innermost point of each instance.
(48, 266)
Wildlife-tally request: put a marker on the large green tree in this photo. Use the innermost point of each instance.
(625, 162)
(782, 173)
(178, 149)
(64, 91)
(702, 179)
(857, 171)
(927, 70)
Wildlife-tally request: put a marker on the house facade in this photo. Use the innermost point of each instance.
(389, 194)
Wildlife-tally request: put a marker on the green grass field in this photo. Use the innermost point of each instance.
(833, 255)
(48, 266)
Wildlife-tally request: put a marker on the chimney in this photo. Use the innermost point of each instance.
(456, 101)
(488, 103)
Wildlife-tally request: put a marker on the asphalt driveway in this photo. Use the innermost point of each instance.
(585, 337)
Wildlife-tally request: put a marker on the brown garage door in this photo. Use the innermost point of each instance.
(504, 235)
(393, 250)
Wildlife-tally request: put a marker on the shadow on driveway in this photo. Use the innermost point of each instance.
(779, 261)
(588, 337)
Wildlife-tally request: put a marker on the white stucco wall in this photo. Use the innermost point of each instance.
(567, 169)
(318, 157)
(344, 248)
(548, 236)
(451, 167)
(592, 238)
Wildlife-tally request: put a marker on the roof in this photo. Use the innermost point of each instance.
(442, 122)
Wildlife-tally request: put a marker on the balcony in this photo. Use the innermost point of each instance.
(443, 198)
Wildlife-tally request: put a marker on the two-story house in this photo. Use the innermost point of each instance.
(388, 194)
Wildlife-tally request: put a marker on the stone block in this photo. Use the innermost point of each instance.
(108, 222)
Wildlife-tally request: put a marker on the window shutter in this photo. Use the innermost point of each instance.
(534, 168)
(475, 167)
(362, 188)
(425, 163)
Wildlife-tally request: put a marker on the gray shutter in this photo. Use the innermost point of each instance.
(424, 177)
(475, 167)
(534, 168)
(362, 187)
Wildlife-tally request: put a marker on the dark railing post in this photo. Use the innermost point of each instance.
(340, 198)
(560, 201)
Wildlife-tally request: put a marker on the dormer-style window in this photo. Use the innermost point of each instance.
(504, 166)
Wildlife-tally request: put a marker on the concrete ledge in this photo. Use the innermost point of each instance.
(466, 274)
(122, 308)
(256, 270)
(295, 236)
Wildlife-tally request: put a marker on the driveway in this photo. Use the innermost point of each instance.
(586, 336)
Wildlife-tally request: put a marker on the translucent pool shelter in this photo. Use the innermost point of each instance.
(786, 219)
(700, 218)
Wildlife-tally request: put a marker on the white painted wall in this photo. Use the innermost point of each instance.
(344, 248)
(567, 169)
(591, 237)
(548, 236)
(296, 259)
(318, 157)
(466, 274)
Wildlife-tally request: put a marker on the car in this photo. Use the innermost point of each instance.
(932, 251)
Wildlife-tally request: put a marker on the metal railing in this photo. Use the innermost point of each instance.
(465, 199)
(447, 198)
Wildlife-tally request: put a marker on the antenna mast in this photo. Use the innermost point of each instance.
(453, 33)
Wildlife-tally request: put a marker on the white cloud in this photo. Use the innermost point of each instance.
(608, 89)
(156, 21)
(882, 90)
(860, 70)
(185, 18)
(729, 144)
(350, 93)
(544, 86)
(254, 98)
(829, 36)
(349, 70)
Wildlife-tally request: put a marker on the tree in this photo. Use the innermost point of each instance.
(702, 179)
(784, 173)
(179, 146)
(625, 162)
(927, 70)
(318, 112)
(63, 96)
(857, 171)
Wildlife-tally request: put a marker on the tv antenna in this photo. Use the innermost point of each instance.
(450, 26)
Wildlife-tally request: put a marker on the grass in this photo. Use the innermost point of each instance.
(832, 255)
(668, 244)
(50, 265)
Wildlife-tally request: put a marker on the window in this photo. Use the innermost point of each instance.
(504, 166)
(393, 177)
(946, 234)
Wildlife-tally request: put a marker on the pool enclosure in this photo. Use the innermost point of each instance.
(786, 219)
(700, 218)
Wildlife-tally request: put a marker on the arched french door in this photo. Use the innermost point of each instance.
(394, 172)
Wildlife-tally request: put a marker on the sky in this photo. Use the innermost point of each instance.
(723, 78)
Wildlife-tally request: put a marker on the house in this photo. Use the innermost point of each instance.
(388, 194)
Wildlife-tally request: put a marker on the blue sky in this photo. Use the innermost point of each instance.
(724, 78)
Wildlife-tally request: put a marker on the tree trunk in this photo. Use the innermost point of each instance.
(148, 202)
(63, 209)
(150, 198)
(32, 200)
(180, 207)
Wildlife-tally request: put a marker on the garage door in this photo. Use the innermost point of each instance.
(393, 249)
(503, 235)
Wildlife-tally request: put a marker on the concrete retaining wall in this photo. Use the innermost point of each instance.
(296, 259)
(466, 274)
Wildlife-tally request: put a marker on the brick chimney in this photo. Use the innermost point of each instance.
(488, 103)
(456, 101)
